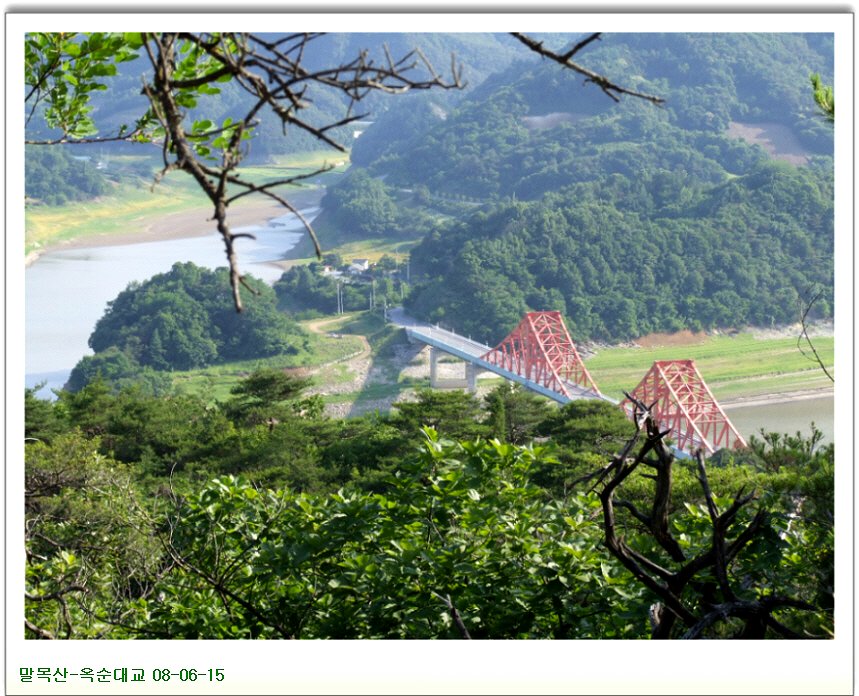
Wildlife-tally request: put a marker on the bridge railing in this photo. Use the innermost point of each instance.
(536, 354)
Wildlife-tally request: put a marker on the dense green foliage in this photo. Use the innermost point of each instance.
(119, 368)
(54, 176)
(363, 206)
(181, 320)
(622, 257)
(364, 202)
(533, 128)
(459, 523)
(258, 518)
(306, 288)
(638, 218)
(586, 433)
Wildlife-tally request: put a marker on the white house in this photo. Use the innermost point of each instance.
(359, 266)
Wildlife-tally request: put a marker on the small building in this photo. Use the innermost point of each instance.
(359, 266)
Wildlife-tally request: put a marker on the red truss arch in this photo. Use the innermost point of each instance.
(683, 402)
(540, 349)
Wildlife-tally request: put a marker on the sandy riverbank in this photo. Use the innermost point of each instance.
(777, 398)
(193, 222)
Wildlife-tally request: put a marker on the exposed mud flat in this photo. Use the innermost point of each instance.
(551, 120)
(782, 398)
(817, 328)
(776, 139)
(689, 338)
(410, 361)
(680, 338)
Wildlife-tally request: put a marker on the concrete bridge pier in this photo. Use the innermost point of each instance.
(434, 367)
(471, 372)
(469, 382)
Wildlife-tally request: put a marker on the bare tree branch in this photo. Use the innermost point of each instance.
(454, 614)
(54, 595)
(40, 632)
(748, 610)
(121, 137)
(717, 604)
(271, 72)
(610, 88)
(804, 335)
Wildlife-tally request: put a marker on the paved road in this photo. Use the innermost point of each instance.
(398, 317)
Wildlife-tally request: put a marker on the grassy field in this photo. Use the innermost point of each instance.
(134, 205)
(216, 381)
(733, 366)
(340, 242)
(299, 164)
(129, 207)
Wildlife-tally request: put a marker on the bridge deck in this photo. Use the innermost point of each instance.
(472, 352)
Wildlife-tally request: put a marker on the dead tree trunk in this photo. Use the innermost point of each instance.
(687, 605)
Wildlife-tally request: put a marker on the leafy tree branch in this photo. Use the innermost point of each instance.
(824, 96)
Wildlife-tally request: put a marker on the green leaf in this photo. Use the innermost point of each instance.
(186, 99)
(133, 39)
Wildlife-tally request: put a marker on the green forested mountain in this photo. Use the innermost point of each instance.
(181, 320)
(534, 127)
(54, 176)
(635, 218)
(623, 258)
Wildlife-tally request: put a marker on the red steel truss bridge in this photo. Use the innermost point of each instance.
(540, 355)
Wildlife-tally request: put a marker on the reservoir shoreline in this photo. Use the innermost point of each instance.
(776, 398)
(185, 224)
(196, 222)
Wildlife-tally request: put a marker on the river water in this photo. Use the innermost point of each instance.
(67, 291)
(786, 417)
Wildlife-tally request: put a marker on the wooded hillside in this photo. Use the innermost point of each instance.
(638, 218)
